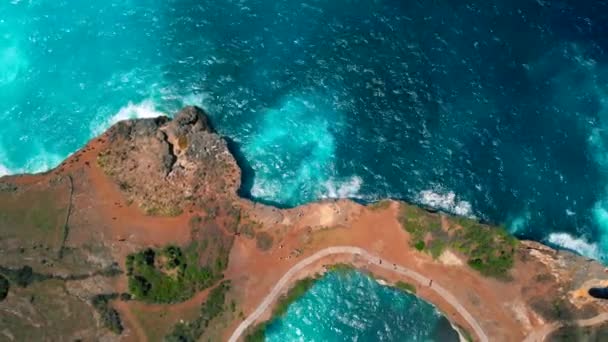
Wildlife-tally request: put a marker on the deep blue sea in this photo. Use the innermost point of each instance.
(351, 306)
(493, 109)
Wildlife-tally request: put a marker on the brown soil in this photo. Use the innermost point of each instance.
(104, 218)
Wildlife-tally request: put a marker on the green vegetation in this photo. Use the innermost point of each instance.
(171, 274)
(489, 250)
(341, 268)
(406, 287)
(436, 248)
(418, 222)
(263, 241)
(109, 316)
(4, 287)
(299, 289)
(213, 307)
(23, 276)
(258, 334)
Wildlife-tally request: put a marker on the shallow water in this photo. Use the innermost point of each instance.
(495, 110)
(351, 306)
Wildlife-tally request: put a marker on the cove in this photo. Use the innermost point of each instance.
(348, 305)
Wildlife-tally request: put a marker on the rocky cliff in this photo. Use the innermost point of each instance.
(141, 235)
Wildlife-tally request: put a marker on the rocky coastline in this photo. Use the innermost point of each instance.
(156, 201)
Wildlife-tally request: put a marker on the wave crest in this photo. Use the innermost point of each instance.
(145, 109)
(344, 189)
(578, 245)
(446, 202)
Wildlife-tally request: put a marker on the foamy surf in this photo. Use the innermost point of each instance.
(446, 202)
(578, 245)
(4, 171)
(145, 109)
(343, 189)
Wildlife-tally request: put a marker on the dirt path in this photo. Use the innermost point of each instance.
(541, 333)
(377, 261)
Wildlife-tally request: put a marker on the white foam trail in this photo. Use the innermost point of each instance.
(348, 189)
(144, 109)
(445, 201)
(581, 246)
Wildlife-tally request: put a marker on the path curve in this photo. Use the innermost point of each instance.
(376, 260)
(541, 333)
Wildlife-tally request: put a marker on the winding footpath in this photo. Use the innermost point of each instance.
(278, 289)
(541, 333)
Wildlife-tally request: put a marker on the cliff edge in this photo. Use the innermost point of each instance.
(141, 235)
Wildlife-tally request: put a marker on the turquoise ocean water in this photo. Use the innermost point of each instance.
(496, 110)
(351, 306)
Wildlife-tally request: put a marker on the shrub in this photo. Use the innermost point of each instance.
(178, 278)
(4, 287)
(419, 245)
(109, 316)
(406, 287)
(489, 250)
(212, 308)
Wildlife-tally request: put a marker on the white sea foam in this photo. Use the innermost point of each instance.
(144, 109)
(445, 201)
(343, 189)
(4, 170)
(579, 245)
(195, 99)
(519, 222)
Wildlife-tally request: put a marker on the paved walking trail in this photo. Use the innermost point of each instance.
(379, 262)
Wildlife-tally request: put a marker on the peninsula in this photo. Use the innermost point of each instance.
(142, 236)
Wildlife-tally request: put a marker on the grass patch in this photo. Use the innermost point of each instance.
(258, 334)
(341, 268)
(419, 222)
(489, 250)
(171, 274)
(407, 287)
(213, 307)
(436, 248)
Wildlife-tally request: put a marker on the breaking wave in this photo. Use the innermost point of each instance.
(145, 109)
(343, 189)
(578, 245)
(445, 201)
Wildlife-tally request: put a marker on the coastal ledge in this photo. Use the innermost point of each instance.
(159, 198)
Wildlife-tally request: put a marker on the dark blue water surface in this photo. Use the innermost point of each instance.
(495, 109)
